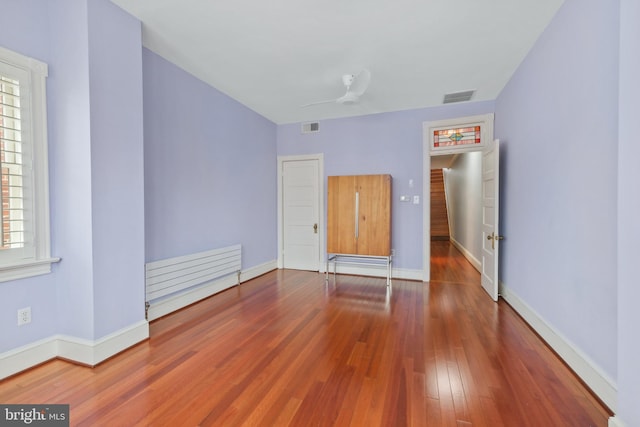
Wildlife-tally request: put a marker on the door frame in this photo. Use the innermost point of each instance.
(321, 214)
(486, 121)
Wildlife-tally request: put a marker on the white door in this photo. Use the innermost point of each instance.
(490, 237)
(300, 211)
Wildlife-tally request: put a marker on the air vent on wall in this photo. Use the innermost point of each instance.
(458, 96)
(311, 127)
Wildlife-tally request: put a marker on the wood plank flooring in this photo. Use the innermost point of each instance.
(287, 349)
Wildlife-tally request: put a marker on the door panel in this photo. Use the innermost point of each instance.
(490, 214)
(341, 219)
(374, 211)
(300, 211)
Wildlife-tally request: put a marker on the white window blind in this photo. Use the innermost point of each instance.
(24, 171)
(12, 220)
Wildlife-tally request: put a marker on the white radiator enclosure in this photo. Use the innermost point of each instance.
(176, 282)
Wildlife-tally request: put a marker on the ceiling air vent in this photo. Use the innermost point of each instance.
(458, 96)
(311, 127)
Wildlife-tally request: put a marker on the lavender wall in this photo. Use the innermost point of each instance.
(117, 167)
(96, 150)
(24, 28)
(69, 109)
(210, 169)
(628, 208)
(380, 143)
(87, 45)
(557, 122)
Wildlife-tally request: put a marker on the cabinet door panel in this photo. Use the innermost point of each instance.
(341, 229)
(374, 234)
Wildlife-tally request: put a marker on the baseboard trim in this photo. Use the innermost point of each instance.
(77, 350)
(28, 356)
(468, 255)
(616, 422)
(599, 382)
(407, 274)
(91, 353)
(258, 270)
(172, 303)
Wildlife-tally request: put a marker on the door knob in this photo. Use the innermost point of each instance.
(493, 239)
(315, 228)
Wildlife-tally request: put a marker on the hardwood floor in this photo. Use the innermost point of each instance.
(288, 349)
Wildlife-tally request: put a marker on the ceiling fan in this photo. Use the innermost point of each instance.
(356, 85)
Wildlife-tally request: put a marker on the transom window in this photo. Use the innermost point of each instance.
(456, 136)
(459, 135)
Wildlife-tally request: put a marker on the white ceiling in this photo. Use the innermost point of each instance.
(275, 56)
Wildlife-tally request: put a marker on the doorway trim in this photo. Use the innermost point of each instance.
(319, 157)
(486, 122)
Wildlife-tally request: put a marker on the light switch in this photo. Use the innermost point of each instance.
(405, 198)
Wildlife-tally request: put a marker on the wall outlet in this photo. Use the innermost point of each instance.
(24, 316)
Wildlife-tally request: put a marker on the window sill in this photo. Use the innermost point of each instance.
(26, 269)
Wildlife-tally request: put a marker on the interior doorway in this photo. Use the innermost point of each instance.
(300, 204)
(460, 189)
(476, 207)
(455, 206)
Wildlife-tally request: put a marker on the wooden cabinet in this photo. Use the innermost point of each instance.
(359, 215)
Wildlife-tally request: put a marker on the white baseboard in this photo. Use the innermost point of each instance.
(616, 422)
(468, 255)
(78, 350)
(22, 358)
(92, 353)
(599, 382)
(170, 304)
(407, 274)
(258, 270)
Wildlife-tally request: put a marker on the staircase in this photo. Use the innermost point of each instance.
(439, 217)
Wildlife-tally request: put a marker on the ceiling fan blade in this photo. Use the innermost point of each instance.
(356, 86)
(318, 103)
(348, 98)
(360, 82)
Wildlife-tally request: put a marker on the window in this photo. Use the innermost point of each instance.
(24, 201)
(456, 136)
(11, 159)
(459, 135)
